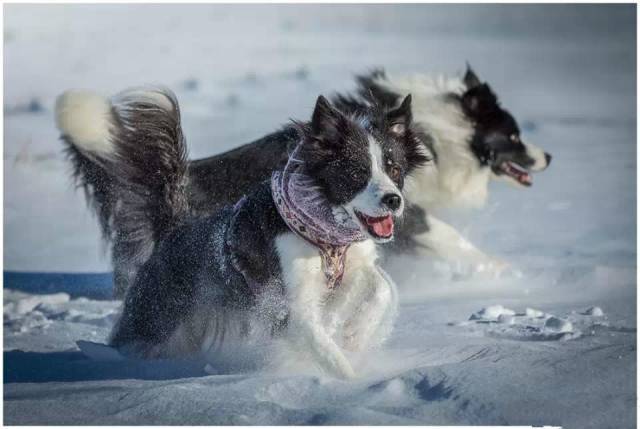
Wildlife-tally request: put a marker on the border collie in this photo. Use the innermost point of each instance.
(473, 140)
(469, 137)
(294, 257)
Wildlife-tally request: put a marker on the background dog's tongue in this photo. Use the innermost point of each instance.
(383, 227)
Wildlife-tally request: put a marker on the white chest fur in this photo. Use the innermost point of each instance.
(357, 315)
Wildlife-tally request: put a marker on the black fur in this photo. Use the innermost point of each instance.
(151, 197)
(97, 184)
(496, 136)
(368, 89)
(413, 222)
(218, 180)
(369, 94)
(206, 273)
(336, 153)
(221, 179)
(217, 265)
(138, 198)
(348, 173)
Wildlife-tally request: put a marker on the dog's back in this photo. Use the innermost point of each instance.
(203, 279)
(224, 178)
(169, 288)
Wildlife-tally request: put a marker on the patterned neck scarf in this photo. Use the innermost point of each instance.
(307, 213)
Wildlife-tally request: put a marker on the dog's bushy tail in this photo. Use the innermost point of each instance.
(130, 157)
(84, 120)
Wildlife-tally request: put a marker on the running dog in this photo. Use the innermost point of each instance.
(473, 139)
(294, 257)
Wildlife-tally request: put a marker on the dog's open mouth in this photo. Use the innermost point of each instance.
(516, 172)
(378, 227)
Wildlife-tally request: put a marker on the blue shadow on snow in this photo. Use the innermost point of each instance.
(89, 285)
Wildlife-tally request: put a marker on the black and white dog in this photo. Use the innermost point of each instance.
(473, 140)
(469, 137)
(295, 256)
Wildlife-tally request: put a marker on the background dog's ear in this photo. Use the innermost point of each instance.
(470, 79)
(399, 119)
(479, 101)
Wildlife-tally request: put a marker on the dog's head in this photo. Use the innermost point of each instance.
(360, 162)
(496, 141)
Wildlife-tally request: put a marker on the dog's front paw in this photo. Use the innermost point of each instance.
(350, 337)
(347, 372)
(342, 368)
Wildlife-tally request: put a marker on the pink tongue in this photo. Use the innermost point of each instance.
(382, 227)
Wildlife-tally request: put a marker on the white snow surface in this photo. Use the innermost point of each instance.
(564, 355)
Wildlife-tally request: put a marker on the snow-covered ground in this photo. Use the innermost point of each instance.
(539, 353)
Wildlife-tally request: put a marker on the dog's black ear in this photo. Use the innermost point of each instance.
(470, 79)
(479, 102)
(325, 118)
(328, 124)
(399, 119)
(399, 122)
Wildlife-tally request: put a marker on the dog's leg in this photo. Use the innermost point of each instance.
(366, 303)
(370, 321)
(446, 242)
(307, 289)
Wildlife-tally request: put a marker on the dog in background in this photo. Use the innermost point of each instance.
(473, 140)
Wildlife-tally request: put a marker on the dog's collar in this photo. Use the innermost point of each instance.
(306, 211)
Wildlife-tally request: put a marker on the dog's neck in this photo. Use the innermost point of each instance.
(457, 178)
(306, 211)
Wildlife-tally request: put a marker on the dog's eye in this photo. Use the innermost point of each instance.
(514, 138)
(394, 173)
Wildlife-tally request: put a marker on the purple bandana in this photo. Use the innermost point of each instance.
(307, 213)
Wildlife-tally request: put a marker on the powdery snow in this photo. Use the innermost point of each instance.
(553, 341)
(493, 312)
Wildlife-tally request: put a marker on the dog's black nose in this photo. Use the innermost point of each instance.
(548, 158)
(392, 201)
